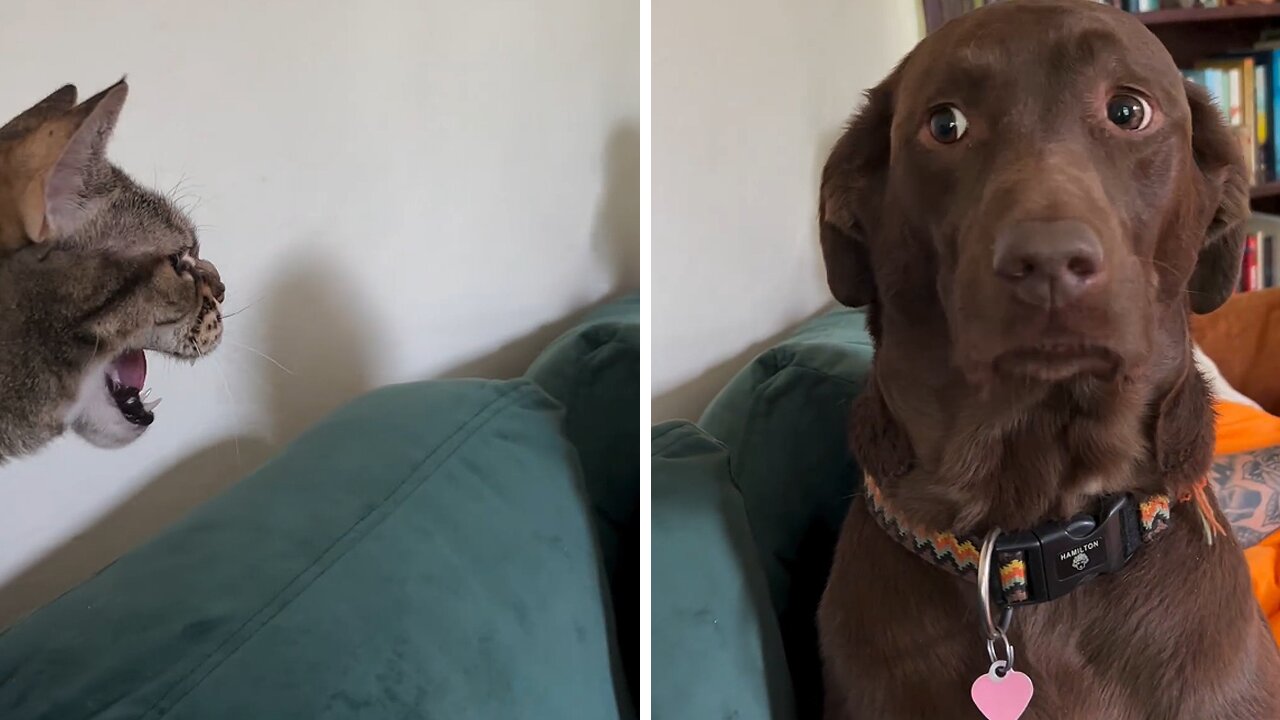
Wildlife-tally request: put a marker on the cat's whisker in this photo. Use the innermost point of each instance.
(177, 187)
(246, 307)
(227, 386)
(181, 192)
(188, 208)
(259, 353)
(235, 313)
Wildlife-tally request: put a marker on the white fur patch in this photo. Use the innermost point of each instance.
(1218, 385)
(95, 416)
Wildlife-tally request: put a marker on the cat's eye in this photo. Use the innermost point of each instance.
(947, 124)
(181, 263)
(1129, 112)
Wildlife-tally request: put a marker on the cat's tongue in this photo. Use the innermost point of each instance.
(131, 369)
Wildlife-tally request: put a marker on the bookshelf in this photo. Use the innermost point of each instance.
(1231, 13)
(1196, 34)
(1267, 193)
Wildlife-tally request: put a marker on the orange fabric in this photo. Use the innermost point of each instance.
(1264, 570)
(1241, 428)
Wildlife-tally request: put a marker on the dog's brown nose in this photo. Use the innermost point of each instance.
(1048, 263)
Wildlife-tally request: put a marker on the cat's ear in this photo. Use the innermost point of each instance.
(55, 106)
(56, 202)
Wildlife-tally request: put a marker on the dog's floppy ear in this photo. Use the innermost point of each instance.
(1223, 184)
(851, 194)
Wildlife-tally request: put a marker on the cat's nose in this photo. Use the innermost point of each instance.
(209, 274)
(217, 288)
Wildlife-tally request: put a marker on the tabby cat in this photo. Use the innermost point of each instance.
(94, 271)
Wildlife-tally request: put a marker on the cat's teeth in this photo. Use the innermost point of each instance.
(151, 404)
(145, 393)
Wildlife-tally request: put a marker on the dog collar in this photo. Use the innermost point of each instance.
(1048, 561)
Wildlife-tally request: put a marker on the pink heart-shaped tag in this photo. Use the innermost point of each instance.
(1002, 698)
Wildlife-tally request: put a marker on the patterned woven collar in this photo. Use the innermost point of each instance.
(1048, 561)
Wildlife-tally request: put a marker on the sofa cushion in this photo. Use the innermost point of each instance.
(594, 371)
(784, 420)
(716, 648)
(423, 552)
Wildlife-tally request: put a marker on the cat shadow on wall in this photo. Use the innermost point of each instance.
(690, 398)
(615, 242)
(315, 328)
(615, 236)
(311, 327)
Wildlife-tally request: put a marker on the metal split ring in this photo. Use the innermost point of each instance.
(994, 629)
(1006, 661)
(997, 631)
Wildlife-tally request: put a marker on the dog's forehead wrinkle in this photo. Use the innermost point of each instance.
(1068, 48)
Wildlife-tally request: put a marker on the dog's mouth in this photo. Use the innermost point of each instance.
(1055, 362)
(126, 378)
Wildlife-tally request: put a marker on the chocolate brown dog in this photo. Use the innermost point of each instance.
(1029, 206)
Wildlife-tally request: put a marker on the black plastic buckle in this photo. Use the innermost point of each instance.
(1062, 556)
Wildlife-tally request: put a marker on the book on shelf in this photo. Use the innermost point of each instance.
(1245, 85)
(1249, 260)
(1231, 80)
(1260, 263)
(1150, 5)
(1269, 268)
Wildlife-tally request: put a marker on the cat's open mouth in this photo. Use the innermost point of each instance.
(126, 378)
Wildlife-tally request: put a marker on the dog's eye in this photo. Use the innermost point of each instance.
(1129, 112)
(947, 124)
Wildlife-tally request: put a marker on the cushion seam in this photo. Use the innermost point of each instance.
(772, 365)
(467, 430)
(666, 441)
(672, 439)
(757, 397)
(614, 329)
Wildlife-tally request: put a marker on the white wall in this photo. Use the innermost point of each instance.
(396, 190)
(748, 96)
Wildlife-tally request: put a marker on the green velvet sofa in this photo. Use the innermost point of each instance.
(454, 549)
(747, 504)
